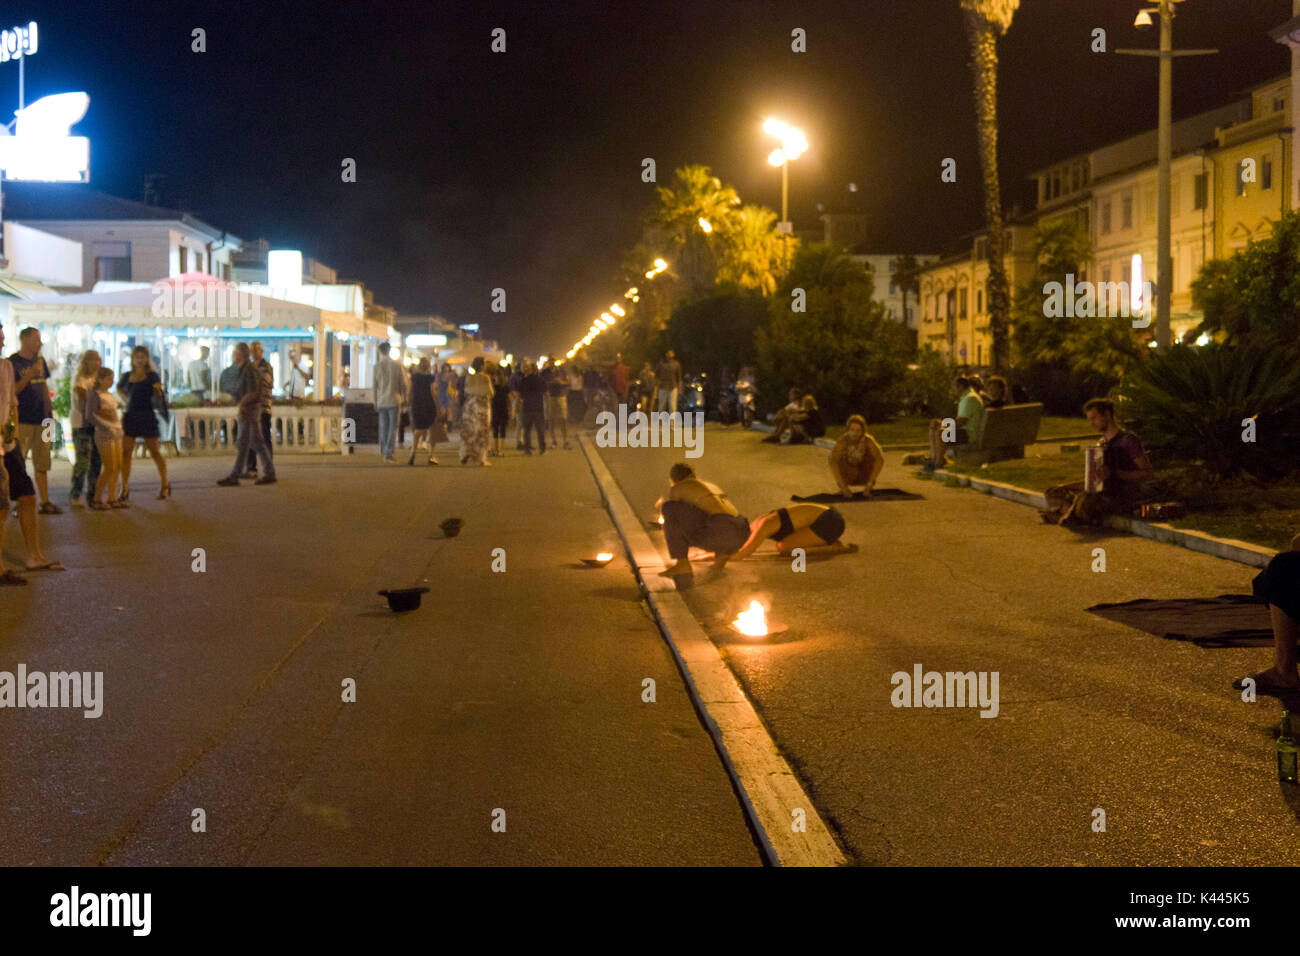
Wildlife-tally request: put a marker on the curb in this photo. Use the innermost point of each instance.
(829, 443)
(1228, 549)
(769, 790)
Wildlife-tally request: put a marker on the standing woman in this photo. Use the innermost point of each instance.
(500, 410)
(424, 409)
(85, 473)
(474, 417)
(138, 387)
(101, 410)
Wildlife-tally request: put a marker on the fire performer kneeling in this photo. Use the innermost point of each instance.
(697, 513)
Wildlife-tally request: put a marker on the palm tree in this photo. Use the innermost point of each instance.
(986, 20)
(907, 275)
(752, 255)
(696, 194)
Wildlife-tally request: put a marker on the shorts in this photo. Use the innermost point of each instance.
(1279, 583)
(30, 438)
(15, 483)
(828, 526)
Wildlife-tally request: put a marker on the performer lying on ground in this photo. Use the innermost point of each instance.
(698, 513)
(1279, 585)
(815, 528)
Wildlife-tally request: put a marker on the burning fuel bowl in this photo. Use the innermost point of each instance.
(451, 527)
(404, 599)
(753, 623)
(656, 523)
(599, 561)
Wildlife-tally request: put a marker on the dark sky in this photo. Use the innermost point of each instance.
(522, 170)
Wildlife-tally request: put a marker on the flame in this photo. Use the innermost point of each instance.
(604, 556)
(752, 623)
(661, 519)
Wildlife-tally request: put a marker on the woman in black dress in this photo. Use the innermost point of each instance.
(500, 411)
(424, 408)
(138, 388)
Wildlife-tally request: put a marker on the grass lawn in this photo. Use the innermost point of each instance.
(915, 431)
(1266, 515)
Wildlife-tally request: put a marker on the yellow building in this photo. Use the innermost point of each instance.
(1252, 162)
(954, 295)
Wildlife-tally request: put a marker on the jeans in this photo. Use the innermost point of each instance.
(251, 443)
(88, 464)
(667, 400)
(534, 419)
(266, 437)
(387, 430)
(686, 525)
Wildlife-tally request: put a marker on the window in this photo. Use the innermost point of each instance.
(183, 259)
(1149, 204)
(1126, 211)
(961, 304)
(112, 261)
(979, 355)
(198, 262)
(1266, 173)
(1279, 104)
(1202, 192)
(1128, 273)
(979, 301)
(1239, 182)
(1105, 218)
(1105, 272)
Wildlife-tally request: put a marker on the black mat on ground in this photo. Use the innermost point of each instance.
(1229, 620)
(877, 494)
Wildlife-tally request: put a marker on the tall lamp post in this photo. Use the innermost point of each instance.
(793, 145)
(1164, 259)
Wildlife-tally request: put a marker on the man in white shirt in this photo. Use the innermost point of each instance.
(390, 390)
(15, 483)
(295, 382)
(198, 374)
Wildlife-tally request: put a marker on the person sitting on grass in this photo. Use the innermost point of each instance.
(815, 528)
(787, 418)
(697, 513)
(810, 425)
(1278, 585)
(970, 419)
(1125, 466)
(856, 460)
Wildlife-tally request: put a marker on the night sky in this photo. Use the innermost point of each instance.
(522, 170)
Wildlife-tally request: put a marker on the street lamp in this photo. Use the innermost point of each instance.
(793, 145)
(1166, 53)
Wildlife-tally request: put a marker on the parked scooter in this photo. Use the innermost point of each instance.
(746, 400)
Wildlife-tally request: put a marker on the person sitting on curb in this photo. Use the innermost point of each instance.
(1278, 585)
(970, 420)
(1125, 466)
(787, 418)
(815, 528)
(697, 513)
(856, 460)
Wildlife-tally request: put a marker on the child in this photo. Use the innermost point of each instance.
(101, 410)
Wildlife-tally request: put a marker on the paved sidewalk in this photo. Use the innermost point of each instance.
(1092, 714)
(519, 690)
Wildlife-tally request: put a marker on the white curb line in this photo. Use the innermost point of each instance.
(769, 790)
(1229, 549)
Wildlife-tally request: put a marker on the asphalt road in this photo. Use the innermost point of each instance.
(1093, 714)
(518, 691)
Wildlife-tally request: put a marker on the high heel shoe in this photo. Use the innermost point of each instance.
(165, 491)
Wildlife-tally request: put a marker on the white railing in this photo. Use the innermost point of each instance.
(294, 429)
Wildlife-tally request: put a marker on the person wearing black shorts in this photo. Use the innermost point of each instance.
(1278, 585)
(807, 526)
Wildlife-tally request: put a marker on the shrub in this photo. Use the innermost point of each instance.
(1193, 404)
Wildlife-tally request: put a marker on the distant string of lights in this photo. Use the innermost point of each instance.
(614, 313)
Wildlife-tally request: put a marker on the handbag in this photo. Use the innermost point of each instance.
(438, 432)
(160, 409)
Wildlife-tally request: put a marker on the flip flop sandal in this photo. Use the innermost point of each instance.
(11, 580)
(47, 566)
(1265, 685)
(50, 508)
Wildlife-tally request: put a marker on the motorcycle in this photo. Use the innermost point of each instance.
(692, 396)
(746, 402)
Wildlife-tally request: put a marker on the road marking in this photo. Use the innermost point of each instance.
(770, 792)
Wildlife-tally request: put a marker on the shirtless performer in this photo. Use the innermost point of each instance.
(815, 528)
(698, 513)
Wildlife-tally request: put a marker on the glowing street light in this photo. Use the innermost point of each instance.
(704, 224)
(793, 145)
(617, 310)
